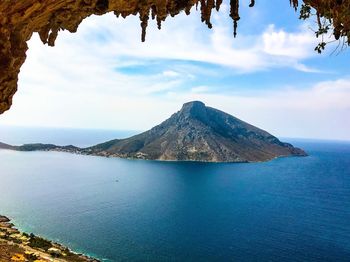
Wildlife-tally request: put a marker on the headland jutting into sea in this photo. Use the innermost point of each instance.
(19, 246)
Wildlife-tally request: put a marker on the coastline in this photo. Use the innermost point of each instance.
(19, 246)
(83, 152)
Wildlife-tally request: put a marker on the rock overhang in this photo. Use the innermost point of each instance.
(20, 19)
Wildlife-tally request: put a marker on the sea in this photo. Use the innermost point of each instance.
(288, 209)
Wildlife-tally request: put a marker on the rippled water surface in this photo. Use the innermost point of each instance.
(289, 209)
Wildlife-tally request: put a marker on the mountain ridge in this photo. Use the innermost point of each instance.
(194, 133)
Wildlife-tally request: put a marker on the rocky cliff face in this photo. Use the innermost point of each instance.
(200, 133)
(19, 19)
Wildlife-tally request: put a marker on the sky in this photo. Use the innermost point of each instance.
(104, 77)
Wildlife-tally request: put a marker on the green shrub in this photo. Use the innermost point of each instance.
(38, 242)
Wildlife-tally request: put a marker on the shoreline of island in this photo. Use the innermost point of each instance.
(195, 133)
(20, 246)
(88, 152)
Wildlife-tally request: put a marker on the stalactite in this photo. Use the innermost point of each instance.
(209, 7)
(218, 4)
(234, 14)
(294, 3)
(20, 19)
(144, 23)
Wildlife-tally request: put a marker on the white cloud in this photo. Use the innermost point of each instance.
(200, 89)
(170, 73)
(79, 82)
(186, 39)
(320, 111)
(298, 45)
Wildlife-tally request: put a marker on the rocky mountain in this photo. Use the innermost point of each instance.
(200, 133)
(195, 133)
(39, 147)
(5, 146)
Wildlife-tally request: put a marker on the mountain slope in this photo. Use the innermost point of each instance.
(199, 133)
(5, 146)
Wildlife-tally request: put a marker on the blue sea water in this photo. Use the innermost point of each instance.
(289, 209)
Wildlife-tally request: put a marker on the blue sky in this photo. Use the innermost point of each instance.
(270, 76)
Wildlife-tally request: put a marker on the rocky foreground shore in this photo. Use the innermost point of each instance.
(19, 246)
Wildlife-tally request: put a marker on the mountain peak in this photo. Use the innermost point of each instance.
(193, 104)
(194, 109)
(195, 133)
(200, 133)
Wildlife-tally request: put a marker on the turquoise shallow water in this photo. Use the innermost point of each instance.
(289, 209)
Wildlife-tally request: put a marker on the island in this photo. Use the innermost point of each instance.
(20, 246)
(194, 133)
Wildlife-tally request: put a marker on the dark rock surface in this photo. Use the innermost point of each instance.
(195, 133)
(200, 133)
(5, 146)
(4, 219)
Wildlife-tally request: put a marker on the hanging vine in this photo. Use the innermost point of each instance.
(332, 20)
